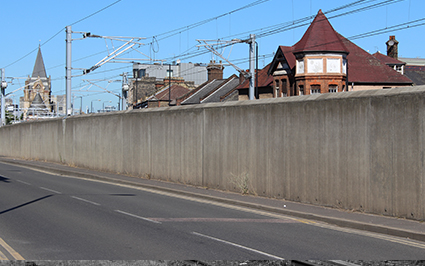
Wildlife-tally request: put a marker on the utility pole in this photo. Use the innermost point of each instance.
(68, 69)
(169, 84)
(3, 104)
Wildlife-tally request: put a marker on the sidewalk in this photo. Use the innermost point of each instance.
(355, 220)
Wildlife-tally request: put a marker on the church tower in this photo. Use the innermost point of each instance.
(37, 88)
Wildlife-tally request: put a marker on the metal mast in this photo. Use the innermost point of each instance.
(3, 104)
(68, 69)
(251, 66)
(220, 44)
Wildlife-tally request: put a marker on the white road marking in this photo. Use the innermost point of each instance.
(88, 201)
(23, 182)
(239, 246)
(51, 190)
(139, 217)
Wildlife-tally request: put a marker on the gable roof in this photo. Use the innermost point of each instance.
(39, 69)
(387, 59)
(223, 89)
(320, 36)
(202, 91)
(164, 95)
(283, 53)
(263, 77)
(365, 68)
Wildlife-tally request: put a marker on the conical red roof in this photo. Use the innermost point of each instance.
(320, 37)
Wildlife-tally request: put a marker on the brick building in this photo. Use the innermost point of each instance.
(323, 61)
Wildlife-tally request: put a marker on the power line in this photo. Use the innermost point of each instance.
(275, 29)
(56, 34)
(197, 24)
(100, 10)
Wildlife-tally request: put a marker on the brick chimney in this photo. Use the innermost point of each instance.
(392, 47)
(215, 70)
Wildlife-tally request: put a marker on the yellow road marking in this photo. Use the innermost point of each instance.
(398, 240)
(2, 256)
(11, 251)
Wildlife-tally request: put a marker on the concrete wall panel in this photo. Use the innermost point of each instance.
(359, 150)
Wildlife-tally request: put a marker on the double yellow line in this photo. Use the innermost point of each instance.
(10, 250)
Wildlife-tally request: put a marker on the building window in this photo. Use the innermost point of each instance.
(333, 88)
(300, 66)
(284, 88)
(276, 85)
(344, 66)
(315, 65)
(315, 89)
(301, 90)
(139, 73)
(333, 65)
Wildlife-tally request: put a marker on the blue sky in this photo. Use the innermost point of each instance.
(28, 24)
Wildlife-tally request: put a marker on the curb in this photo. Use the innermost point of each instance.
(330, 220)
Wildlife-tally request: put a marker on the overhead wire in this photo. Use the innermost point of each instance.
(275, 29)
(57, 33)
(298, 23)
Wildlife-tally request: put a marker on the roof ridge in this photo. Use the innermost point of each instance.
(226, 81)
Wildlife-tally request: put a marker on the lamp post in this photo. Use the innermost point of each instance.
(92, 104)
(103, 106)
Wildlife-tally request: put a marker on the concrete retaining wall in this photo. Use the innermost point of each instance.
(356, 150)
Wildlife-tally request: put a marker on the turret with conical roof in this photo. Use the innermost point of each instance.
(320, 37)
(39, 69)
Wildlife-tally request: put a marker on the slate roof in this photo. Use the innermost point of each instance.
(39, 69)
(223, 89)
(202, 91)
(416, 74)
(38, 102)
(320, 37)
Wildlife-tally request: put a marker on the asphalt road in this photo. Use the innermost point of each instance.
(50, 217)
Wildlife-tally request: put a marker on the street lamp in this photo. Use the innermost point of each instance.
(103, 110)
(92, 104)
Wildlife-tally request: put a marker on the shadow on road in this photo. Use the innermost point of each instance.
(4, 179)
(25, 204)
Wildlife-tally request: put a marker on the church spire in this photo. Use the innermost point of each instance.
(39, 69)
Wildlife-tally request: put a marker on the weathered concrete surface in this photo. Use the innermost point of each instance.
(359, 150)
